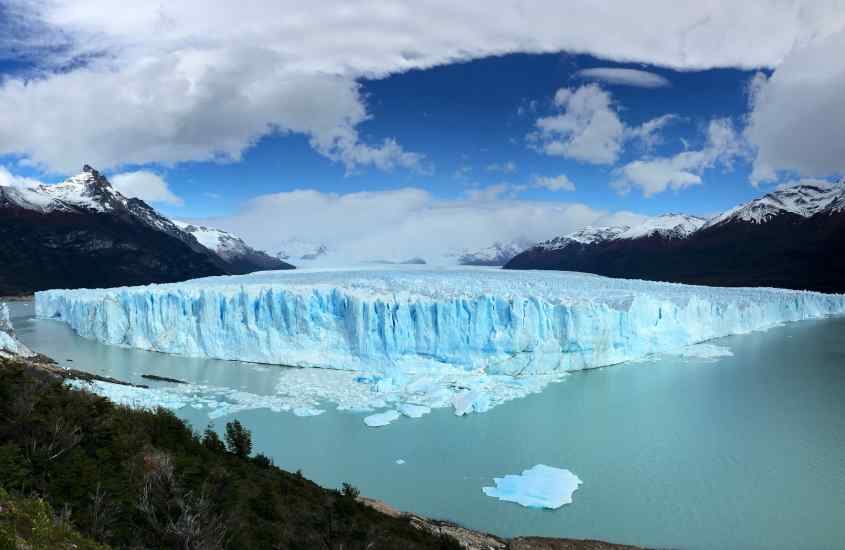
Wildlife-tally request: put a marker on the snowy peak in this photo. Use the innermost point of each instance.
(223, 243)
(498, 253)
(239, 256)
(669, 226)
(293, 250)
(587, 235)
(805, 200)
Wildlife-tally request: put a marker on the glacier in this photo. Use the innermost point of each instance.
(538, 487)
(413, 338)
(412, 320)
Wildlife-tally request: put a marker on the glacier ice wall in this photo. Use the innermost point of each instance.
(391, 319)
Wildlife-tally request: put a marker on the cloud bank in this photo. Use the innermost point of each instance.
(395, 225)
(183, 81)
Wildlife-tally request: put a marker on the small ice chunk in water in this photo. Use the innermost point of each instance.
(413, 411)
(399, 461)
(705, 351)
(538, 487)
(307, 411)
(381, 419)
(470, 401)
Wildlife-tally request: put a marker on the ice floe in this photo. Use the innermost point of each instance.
(538, 487)
(381, 419)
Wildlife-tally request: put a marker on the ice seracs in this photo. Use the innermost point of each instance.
(10, 346)
(401, 320)
(538, 487)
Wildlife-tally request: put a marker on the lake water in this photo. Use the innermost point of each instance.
(741, 452)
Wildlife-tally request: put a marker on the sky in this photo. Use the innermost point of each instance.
(395, 129)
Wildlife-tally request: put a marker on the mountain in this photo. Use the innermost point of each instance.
(84, 233)
(296, 250)
(239, 256)
(495, 255)
(789, 238)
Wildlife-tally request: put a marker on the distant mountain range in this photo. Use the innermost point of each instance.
(793, 237)
(497, 254)
(239, 256)
(84, 233)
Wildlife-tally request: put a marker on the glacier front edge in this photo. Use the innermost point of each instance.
(413, 319)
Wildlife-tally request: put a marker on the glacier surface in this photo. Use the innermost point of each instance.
(416, 319)
(411, 339)
(538, 487)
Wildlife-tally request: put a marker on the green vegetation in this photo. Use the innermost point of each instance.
(31, 523)
(143, 480)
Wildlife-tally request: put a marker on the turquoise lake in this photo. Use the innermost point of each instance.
(745, 451)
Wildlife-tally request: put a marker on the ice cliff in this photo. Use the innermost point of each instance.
(411, 319)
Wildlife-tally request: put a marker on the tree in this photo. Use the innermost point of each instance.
(211, 440)
(238, 439)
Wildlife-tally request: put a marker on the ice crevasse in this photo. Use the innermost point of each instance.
(411, 319)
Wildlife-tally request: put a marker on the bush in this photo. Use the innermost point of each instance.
(350, 491)
(238, 439)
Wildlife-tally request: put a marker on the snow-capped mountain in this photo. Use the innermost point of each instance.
(296, 250)
(84, 233)
(240, 257)
(805, 200)
(497, 254)
(791, 237)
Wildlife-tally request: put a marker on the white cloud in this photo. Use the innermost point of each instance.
(403, 223)
(797, 122)
(145, 185)
(588, 129)
(8, 179)
(684, 169)
(556, 183)
(194, 80)
(625, 77)
(508, 167)
(649, 132)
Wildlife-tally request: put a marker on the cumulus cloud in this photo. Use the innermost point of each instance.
(796, 120)
(656, 175)
(192, 80)
(399, 224)
(554, 183)
(624, 77)
(589, 128)
(145, 185)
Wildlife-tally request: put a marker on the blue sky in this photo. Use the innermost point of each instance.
(504, 125)
(470, 119)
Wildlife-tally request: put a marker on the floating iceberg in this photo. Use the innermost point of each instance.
(381, 419)
(538, 487)
(399, 320)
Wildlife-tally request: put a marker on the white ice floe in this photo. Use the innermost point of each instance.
(413, 411)
(399, 461)
(538, 487)
(381, 419)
